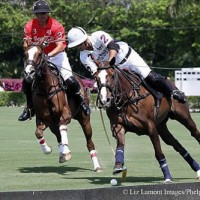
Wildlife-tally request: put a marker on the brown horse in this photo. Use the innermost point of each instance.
(54, 107)
(130, 107)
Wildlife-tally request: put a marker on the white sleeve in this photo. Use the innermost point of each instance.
(87, 61)
(102, 37)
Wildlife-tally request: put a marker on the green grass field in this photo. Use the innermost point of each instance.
(23, 166)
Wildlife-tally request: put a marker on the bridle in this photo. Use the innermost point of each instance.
(40, 62)
(121, 96)
(104, 84)
(116, 89)
(39, 71)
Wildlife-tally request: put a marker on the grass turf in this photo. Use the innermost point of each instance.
(24, 167)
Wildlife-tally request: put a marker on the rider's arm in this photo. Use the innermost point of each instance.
(113, 50)
(108, 42)
(59, 36)
(88, 62)
(59, 48)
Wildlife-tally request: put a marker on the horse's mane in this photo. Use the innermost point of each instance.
(126, 88)
(137, 84)
(133, 78)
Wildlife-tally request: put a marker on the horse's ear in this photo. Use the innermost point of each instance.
(26, 43)
(112, 62)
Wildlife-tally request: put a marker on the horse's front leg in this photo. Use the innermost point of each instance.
(153, 134)
(64, 151)
(87, 129)
(119, 134)
(40, 137)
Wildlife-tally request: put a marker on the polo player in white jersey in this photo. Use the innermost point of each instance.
(101, 47)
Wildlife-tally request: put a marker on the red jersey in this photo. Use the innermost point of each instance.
(52, 31)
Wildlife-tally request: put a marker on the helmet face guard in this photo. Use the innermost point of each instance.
(41, 6)
(76, 36)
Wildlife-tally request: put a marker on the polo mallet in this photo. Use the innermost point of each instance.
(124, 173)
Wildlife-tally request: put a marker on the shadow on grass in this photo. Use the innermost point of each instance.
(96, 180)
(139, 180)
(52, 169)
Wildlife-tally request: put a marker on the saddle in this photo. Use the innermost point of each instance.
(156, 94)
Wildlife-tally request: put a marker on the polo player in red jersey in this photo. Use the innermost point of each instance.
(45, 27)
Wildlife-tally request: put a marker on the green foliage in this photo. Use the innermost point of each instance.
(163, 41)
(187, 40)
(12, 99)
(194, 103)
(12, 19)
(8, 98)
(176, 6)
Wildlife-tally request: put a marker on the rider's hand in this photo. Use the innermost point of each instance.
(102, 63)
(99, 63)
(47, 57)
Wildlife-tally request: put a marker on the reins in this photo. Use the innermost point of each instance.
(135, 87)
(40, 71)
(118, 91)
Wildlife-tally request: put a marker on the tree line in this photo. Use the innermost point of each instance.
(166, 41)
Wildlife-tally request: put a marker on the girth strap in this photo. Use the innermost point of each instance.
(51, 94)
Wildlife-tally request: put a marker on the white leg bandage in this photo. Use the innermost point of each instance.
(63, 133)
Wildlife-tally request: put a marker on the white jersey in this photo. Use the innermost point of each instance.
(100, 40)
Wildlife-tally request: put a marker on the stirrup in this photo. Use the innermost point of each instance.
(179, 96)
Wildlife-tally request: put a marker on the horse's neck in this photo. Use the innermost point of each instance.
(132, 77)
(123, 87)
(128, 79)
(46, 79)
(51, 76)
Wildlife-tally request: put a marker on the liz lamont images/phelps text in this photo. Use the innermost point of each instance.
(191, 192)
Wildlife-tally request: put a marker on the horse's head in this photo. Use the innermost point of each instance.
(116, 86)
(34, 57)
(105, 82)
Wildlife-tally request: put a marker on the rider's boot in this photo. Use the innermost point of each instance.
(165, 86)
(28, 111)
(74, 88)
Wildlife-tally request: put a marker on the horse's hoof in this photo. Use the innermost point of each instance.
(46, 149)
(98, 169)
(118, 169)
(166, 181)
(65, 157)
(198, 174)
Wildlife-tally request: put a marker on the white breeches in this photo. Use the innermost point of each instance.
(62, 63)
(136, 64)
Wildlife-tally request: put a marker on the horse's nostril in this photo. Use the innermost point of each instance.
(32, 72)
(108, 100)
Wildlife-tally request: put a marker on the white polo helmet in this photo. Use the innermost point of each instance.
(76, 36)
